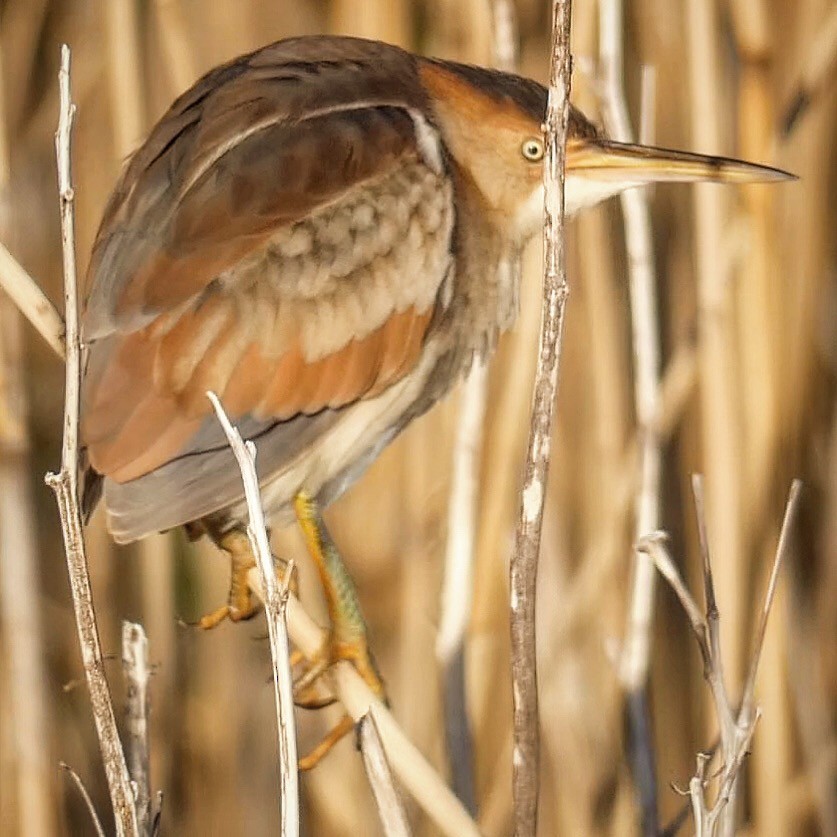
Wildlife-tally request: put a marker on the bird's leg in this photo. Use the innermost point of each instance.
(343, 727)
(240, 604)
(347, 635)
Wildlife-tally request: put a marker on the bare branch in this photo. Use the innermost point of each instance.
(654, 546)
(136, 672)
(32, 301)
(636, 648)
(275, 602)
(65, 486)
(393, 818)
(646, 345)
(100, 832)
(714, 673)
(20, 587)
(413, 771)
(791, 509)
(736, 729)
(524, 562)
(458, 584)
(463, 504)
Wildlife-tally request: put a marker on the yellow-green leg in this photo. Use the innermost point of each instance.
(347, 638)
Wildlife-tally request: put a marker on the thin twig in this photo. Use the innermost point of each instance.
(21, 596)
(791, 510)
(457, 584)
(720, 407)
(275, 603)
(65, 486)
(463, 504)
(413, 771)
(712, 629)
(136, 672)
(654, 546)
(32, 301)
(736, 728)
(97, 824)
(636, 649)
(390, 809)
(524, 562)
(646, 345)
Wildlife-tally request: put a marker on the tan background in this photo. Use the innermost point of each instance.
(212, 723)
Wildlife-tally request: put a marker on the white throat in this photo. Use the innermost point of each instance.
(579, 193)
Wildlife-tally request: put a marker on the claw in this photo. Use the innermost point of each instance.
(241, 604)
(344, 726)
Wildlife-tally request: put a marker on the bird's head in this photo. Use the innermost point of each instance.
(492, 123)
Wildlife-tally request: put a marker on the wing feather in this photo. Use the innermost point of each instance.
(201, 273)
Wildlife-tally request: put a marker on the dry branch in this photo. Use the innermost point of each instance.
(31, 301)
(524, 563)
(409, 765)
(646, 346)
(65, 486)
(88, 802)
(26, 687)
(736, 726)
(393, 818)
(275, 603)
(458, 583)
(636, 649)
(463, 504)
(136, 673)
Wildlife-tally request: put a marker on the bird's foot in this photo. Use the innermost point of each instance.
(241, 603)
(347, 639)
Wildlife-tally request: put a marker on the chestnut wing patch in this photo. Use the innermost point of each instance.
(330, 309)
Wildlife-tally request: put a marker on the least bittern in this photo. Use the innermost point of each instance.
(321, 232)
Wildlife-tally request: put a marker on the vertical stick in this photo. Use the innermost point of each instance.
(136, 673)
(719, 384)
(19, 583)
(275, 605)
(636, 652)
(463, 505)
(65, 486)
(390, 809)
(524, 562)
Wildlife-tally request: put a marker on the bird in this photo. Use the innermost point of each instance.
(324, 233)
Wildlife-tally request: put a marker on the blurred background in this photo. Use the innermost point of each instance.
(747, 316)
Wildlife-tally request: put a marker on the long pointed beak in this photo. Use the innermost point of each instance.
(607, 161)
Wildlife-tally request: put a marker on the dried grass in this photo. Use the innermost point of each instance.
(749, 274)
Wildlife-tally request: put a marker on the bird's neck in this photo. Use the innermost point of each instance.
(487, 278)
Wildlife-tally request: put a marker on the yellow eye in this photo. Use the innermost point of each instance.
(532, 149)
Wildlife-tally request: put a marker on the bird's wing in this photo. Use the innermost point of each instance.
(241, 252)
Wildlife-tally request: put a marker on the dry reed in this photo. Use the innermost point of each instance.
(747, 397)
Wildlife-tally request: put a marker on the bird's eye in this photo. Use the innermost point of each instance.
(532, 149)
